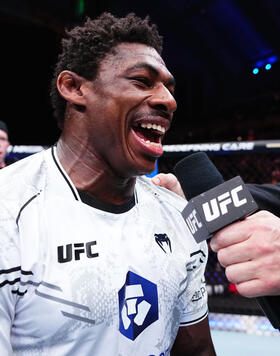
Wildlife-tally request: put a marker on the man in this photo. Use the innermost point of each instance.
(249, 249)
(4, 144)
(96, 260)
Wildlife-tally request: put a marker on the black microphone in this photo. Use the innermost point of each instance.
(214, 204)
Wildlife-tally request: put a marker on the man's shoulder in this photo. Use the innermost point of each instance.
(161, 193)
(22, 176)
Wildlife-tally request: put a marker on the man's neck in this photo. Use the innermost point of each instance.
(93, 177)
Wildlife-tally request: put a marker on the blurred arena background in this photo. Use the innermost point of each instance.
(225, 56)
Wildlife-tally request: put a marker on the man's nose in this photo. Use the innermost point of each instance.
(163, 99)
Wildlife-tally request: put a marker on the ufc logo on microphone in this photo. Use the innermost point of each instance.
(219, 206)
(192, 221)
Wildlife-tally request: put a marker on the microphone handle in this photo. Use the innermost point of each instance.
(271, 308)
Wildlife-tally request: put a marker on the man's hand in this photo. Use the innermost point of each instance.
(249, 249)
(168, 181)
(250, 252)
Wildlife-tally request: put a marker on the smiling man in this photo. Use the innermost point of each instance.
(95, 259)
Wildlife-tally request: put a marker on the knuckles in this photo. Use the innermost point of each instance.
(231, 276)
(222, 257)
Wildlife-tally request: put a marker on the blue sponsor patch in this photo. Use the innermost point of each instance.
(138, 305)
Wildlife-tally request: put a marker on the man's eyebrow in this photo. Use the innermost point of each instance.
(149, 67)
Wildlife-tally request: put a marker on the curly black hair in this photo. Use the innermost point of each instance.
(84, 47)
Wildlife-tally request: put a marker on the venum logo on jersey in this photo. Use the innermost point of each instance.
(65, 253)
(164, 242)
(138, 305)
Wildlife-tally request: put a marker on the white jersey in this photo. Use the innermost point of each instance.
(81, 278)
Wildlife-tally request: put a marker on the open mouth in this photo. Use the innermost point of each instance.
(150, 133)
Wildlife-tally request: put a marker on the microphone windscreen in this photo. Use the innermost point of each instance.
(197, 174)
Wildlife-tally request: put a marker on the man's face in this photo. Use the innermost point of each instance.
(130, 105)
(4, 144)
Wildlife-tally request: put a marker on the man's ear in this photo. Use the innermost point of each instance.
(69, 85)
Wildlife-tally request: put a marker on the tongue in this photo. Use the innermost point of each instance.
(147, 135)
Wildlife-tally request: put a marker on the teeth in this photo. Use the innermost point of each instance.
(151, 143)
(153, 126)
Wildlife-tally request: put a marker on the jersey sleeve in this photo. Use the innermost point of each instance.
(194, 295)
(9, 277)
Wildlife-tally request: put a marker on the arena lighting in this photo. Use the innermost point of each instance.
(155, 172)
(80, 7)
(272, 59)
(239, 323)
(264, 63)
(268, 66)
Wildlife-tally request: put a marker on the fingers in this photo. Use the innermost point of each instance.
(165, 180)
(253, 278)
(251, 288)
(259, 226)
(235, 254)
(257, 288)
(250, 252)
(168, 181)
(230, 235)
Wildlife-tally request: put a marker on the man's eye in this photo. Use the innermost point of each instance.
(142, 80)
